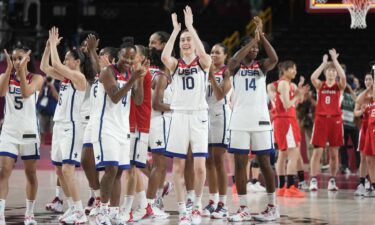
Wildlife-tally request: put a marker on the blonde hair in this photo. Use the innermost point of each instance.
(330, 65)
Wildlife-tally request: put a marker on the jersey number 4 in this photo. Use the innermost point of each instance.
(250, 84)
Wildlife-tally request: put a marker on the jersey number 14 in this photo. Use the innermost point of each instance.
(250, 84)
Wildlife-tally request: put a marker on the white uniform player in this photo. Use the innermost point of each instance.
(110, 133)
(91, 104)
(250, 126)
(219, 115)
(189, 123)
(160, 121)
(20, 134)
(67, 131)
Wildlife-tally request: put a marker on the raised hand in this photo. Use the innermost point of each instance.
(91, 42)
(301, 81)
(325, 58)
(25, 60)
(139, 71)
(176, 24)
(334, 54)
(54, 38)
(104, 61)
(188, 14)
(259, 23)
(9, 61)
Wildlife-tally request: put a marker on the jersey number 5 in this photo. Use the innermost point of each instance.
(250, 84)
(18, 102)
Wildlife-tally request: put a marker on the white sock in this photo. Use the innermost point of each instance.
(30, 206)
(2, 206)
(214, 197)
(141, 196)
(159, 193)
(243, 200)
(271, 198)
(191, 195)
(104, 207)
(70, 201)
(128, 202)
(223, 199)
(150, 201)
(78, 205)
(198, 202)
(181, 208)
(97, 193)
(92, 193)
(59, 192)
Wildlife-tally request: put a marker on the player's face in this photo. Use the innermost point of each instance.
(368, 81)
(70, 61)
(155, 42)
(103, 54)
(253, 53)
(126, 58)
(138, 57)
(291, 72)
(330, 74)
(17, 57)
(186, 44)
(217, 54)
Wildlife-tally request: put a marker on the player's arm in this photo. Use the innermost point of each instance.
(161, 83)
(315, 75)
(92, 45)
(359, 103)
(54, 92)
(77, 78)
(340, 70)
(36, 83)
(5, 77)
(235, 61)
(204, 59)
(284, 89)
(46, 67)
(271, 91)
(138, 91)
(166, 56)
(222, 89)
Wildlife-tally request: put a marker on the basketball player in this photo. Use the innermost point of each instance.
(287, 133)
(362, 111)
(250, 101)
(67, 131)
(219, 113)
(328, 125)
(189, 122)
(19, 135)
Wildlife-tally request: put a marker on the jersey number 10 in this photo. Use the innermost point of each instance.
(187, 83)
(250, 84)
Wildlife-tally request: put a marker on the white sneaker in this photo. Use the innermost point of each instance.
(269, 214)
(209, 209)
(196, 217)
(90, 205)
(250, 187)
(158, 213)
(243, 214)
(55, 206)
(2, 220)
(367, 184)
(29, 220)
(313, 184)
(95, 210)
(77, 217)
(67, 213)
(303, 186)
(332, 185)
(113, 212)
(189, 206)
(122, 218)
(369, 194)
(103, 219)
(259, 187)
(159, 202)
(141, 214)
(184, 220)
(168, 187)
(361, 190)
(221, 212)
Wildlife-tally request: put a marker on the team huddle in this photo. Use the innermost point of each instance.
(117, 105)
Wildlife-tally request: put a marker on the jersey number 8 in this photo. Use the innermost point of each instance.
(328, 100)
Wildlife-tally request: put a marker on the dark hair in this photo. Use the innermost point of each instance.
(163, 36)
(285, 65)
(112, 53)
(155, 58)
(143, 51)
(31, 64)
(244, 41)
(225, 48)
(86, 64)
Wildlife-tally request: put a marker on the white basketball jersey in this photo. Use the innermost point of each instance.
(250, 110)
(85, 108)
(166, 98)
(189, 86)
(68, 108)
(213, 103)
(20, 119)
(108, 118)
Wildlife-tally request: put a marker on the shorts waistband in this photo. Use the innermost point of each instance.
(191, 112)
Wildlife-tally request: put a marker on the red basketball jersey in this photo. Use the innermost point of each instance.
(279, 107)
(371, 113)
(329, 100)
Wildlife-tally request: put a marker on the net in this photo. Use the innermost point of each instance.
(358, 10)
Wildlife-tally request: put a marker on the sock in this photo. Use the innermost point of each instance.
(281, 181)
(128, 202)
(159, 193)
(253, 181)
(314, 177)
(30, 206)
(362, 181)
(198, 202)
(243, 200)
(301, 175)
(150, 201)
(214, 197)
(271, 197)
(78, 205)
(191, 195)
(223, 199)
(290, 181)
(70, 201)
(2, 206)
(97, 193)
(233, 180)
(181, 208)
(141, 196)
(59, 192)
(104, 207)
(92, 193)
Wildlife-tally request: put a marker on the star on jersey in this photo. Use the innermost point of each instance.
(98, 157)
(159, 143)
(137, 156)
(75, 155)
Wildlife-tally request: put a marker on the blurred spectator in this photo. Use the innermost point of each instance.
(48, 98)
(350, 128)
(357, 86)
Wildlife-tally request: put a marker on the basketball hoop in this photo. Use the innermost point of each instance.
(358, 10)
